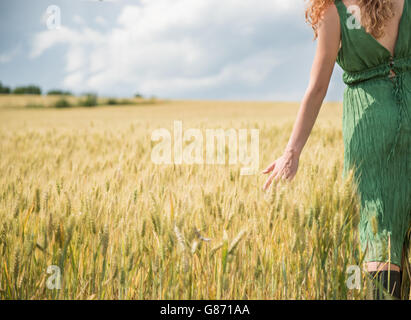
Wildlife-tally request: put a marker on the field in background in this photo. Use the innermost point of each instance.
(78, 190)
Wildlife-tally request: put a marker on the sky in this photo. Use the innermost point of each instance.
(254, 50)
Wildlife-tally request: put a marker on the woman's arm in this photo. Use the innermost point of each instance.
(326, 54)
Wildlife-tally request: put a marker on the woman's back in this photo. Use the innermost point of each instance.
(360, 50)
(391, 29)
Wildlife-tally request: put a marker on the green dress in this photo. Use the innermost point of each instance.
(377, 133)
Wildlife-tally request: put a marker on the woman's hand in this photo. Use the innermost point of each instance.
(284, 167)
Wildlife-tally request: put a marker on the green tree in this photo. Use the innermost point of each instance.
(88, 100)
(30, 89)
(3, 89)
(58, 92)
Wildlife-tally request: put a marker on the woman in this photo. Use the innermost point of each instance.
(371, 41)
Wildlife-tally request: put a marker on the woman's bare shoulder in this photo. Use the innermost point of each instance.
(330, 15)
(330, 20)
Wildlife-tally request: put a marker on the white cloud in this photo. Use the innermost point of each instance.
(76, 59)
(251, 71)
(171, 47)
(101, 21)
(78, 19)
(6, 57)
(74, 80)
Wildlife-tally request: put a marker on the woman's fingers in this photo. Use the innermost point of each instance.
(273, 177)
(276, 176)
(289, 175)
(268, 182)
(292, 175)
(269, 168)
(280, 175)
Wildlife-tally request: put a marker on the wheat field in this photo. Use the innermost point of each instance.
(78, 190)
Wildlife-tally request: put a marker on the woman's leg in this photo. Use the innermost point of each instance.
(381, 266)
(385, 277)
(405, 267)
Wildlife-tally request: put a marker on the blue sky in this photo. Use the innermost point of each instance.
(178, 49)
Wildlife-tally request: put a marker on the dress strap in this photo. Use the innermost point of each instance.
(342, 10)
(338, 4)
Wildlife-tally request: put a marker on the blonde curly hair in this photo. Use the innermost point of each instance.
(374, 14)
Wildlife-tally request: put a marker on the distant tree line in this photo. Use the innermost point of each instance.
(57, 92)
(32, 89)
(90, 98)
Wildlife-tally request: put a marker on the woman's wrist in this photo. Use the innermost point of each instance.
(293, 151)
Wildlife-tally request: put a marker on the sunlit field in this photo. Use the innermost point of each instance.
(78, 190)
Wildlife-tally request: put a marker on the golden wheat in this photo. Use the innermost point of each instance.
(78, 190)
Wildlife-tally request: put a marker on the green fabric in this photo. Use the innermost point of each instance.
(377, 134)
